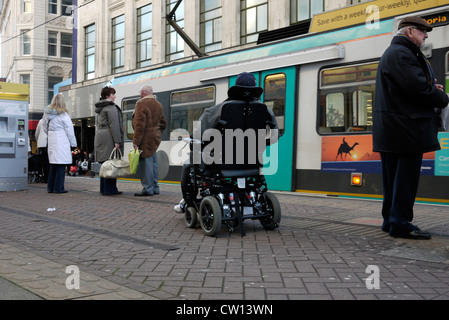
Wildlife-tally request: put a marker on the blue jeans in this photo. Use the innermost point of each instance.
(147, 171)
(56, 178)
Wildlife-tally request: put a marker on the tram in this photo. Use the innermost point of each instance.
(320, 86)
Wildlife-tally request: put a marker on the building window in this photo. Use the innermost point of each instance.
(89, 53)
(210, 25)
(118, 44)
(52, 43)
(53, 6)
(174, 43)
(66, 7)
(26, 42)
(144, 36)
(253, 19)
(51, 82)
(25, 79)
(305, 9)
(66, 45)
(26, 6)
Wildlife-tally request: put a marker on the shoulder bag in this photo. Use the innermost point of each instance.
(115, 167)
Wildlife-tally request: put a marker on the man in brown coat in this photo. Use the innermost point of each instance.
(148, 123)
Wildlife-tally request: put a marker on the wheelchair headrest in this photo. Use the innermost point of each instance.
(244, 93)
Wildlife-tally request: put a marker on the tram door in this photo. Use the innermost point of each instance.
(279, 95)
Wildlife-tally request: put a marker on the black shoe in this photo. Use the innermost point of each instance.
(142, 194)
(112, 194)
(415, 234)
(65, 191)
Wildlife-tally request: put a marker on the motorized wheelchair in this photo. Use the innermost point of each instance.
(233, 189)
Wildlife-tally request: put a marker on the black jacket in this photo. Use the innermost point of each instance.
(404, 116)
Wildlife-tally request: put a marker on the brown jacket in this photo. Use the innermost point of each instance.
(148, 123)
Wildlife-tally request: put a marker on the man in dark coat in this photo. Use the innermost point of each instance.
(148, 123)
(405, 123)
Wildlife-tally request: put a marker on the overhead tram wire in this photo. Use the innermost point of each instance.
(44, 23)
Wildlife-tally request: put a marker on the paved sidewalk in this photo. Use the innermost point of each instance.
(126, 247)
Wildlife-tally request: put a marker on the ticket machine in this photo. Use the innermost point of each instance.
(13, 136)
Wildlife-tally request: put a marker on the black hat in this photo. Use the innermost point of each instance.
(246, 79)
(415, 22)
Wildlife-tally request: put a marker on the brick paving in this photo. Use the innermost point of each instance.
(128, 247)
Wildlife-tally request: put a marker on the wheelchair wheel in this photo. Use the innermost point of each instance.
(191, 217)
(273, 208)
(210, 216)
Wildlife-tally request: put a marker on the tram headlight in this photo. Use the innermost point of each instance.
(356, 179)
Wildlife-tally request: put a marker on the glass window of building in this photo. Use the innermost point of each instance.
(66, 45)
(89, 53)
(51, 82)
(25, 79)
(26, 42)
(301, 10)
(253, 19)
(118, 44)
(144, 35)
(52, 43)
(66, 7)
(210, 25)
(53, 6)
(26, 6)
(174, 43)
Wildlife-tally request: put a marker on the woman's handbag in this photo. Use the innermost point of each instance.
(115, 167)
(133, 158)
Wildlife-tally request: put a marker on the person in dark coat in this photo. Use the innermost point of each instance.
(109, 135)
(405, 123)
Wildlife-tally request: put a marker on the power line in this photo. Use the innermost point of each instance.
(73, 8)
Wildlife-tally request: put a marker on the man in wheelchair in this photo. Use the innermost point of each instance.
(222, 182)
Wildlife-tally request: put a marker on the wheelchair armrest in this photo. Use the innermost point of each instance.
(221, 125)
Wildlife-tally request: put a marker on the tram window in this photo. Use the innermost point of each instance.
(274, 97)
(187, 106)
(346, 98)
(335, 106)
(362, 109)
(128, 107)
(447, 63)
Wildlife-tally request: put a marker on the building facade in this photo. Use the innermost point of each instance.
(36, 48)
(121, 36)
